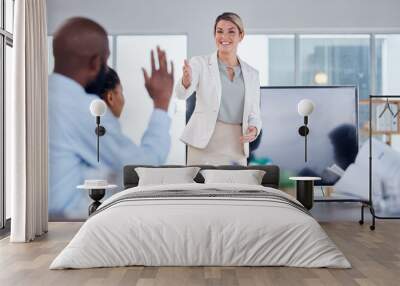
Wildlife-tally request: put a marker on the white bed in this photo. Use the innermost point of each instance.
(264, 229)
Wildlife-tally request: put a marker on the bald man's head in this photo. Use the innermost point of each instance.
(80, 48)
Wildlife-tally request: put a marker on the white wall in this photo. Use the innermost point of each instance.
(391, 68)
(133, 52)
(195, 18)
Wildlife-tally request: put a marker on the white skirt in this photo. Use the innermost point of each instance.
(224, 147)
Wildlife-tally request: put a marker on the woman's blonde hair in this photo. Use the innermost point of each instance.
(231, 17)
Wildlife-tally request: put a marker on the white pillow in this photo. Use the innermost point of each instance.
(248, 177)
(163, 176)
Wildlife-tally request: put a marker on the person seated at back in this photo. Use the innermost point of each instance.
(112, 92)
(80, 48)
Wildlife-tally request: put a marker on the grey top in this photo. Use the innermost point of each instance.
(232, 97)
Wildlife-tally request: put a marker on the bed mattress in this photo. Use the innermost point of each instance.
(201, 225)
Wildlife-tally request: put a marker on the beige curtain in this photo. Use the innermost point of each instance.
(26, 123)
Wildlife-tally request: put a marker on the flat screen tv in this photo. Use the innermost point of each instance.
(333, 138)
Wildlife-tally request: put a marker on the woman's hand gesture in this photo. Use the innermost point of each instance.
(187, 75)
(250, 136)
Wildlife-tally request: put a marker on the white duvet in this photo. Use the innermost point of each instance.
(200, 231)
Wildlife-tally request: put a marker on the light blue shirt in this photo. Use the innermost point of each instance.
(72, 143)
(232, 95)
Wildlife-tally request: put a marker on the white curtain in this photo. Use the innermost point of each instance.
(26, 123)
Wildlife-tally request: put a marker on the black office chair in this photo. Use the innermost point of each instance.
(190, 104)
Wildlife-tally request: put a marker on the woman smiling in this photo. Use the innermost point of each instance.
(227, 112)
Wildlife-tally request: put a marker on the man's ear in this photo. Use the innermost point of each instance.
(95, 64)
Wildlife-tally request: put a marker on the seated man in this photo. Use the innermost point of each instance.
(80, 48)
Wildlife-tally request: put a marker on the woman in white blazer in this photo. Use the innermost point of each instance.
(227, 112)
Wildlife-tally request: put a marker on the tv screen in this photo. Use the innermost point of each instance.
(332, 140)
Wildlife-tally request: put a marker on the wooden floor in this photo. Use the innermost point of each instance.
(375, 257)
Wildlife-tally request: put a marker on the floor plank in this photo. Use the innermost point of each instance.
(374, 255)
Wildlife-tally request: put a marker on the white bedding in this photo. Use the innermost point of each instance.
(200, 231)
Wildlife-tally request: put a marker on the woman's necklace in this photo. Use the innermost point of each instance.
(230, 69)
(231, 72)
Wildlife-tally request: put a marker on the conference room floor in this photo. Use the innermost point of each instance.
(374, 255)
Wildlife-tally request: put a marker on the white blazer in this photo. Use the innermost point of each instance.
(207, 84)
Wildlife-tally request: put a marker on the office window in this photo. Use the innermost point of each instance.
(272, 55)
(9, 15)
(281, 58)
(50, 54)
(133, 53)
(387, 50)
(6, 43)
(253, 50)
(8, 87)
(387, 64)
(335, 60)
(2, 129)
